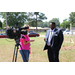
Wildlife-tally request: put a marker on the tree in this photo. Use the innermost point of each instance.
(65, 24)
(72, 18)
(43, 24)
(56, 20)
(0, 24)
(15, 17)
(35, 17)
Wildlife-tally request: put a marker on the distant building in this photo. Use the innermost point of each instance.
(40, 29)
(72, 29)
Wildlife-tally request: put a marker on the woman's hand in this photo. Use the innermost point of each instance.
(32, 40)
(24, 42)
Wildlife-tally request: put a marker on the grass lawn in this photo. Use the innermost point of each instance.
(37, 53)
(42, 33)
(69, 40)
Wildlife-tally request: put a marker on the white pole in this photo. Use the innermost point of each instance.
(71, 29)
(6, 19)
(70, 26)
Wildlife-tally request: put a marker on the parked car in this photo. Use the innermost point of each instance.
(30, 31)
(3, 35)
(68, 32)
(33, 35)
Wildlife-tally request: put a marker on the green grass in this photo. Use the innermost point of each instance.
(37, 53)
(68, 40)
(42, 33)
(67, 55)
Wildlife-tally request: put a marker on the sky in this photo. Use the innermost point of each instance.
(51, 15)
(59, 15)
(1, 19)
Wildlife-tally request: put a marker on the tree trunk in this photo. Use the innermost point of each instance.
(6, 19)
(36, 22)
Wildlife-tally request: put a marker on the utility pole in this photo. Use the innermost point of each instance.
(6, 19)
(71, 29)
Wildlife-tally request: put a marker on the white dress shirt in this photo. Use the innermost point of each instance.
(50, 35)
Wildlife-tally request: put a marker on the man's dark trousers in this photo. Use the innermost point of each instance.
(53, 56)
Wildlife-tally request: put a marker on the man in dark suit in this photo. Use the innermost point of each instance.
(54, 39)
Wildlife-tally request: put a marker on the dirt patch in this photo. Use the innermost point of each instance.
(68, 48)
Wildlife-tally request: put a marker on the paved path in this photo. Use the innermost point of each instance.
(42, 35)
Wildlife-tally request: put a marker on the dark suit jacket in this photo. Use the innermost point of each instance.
(56, 40)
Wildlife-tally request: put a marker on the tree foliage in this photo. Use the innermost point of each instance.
(35, 17)
(56, 20)
(72, 18)
(43, 24)
(15, 17)
(0, 24)
(65, 24)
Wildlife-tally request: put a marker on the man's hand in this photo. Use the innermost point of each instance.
(49, 45)
(58, 48)
(44, 39)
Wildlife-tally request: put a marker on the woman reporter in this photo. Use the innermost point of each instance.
(25, 45)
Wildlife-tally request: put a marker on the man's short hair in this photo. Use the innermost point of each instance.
(53, 23)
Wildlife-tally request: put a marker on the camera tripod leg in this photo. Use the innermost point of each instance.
(15, 52)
